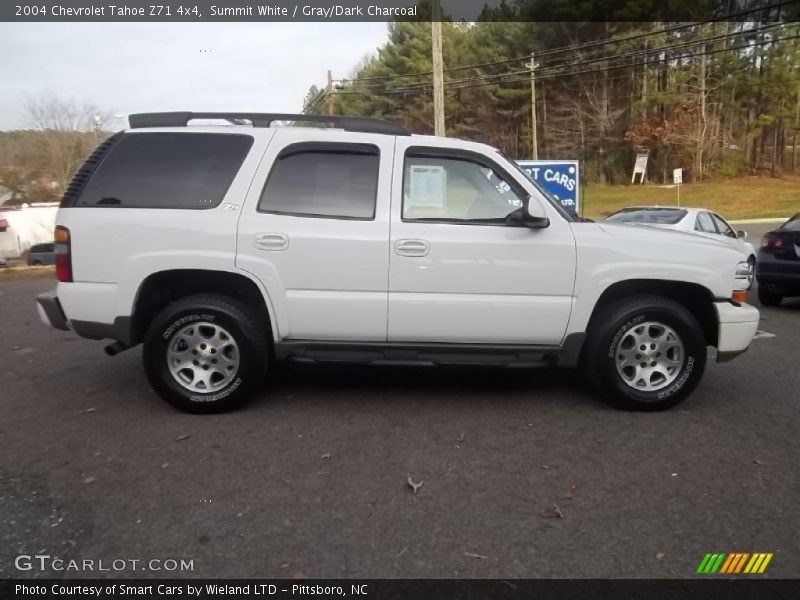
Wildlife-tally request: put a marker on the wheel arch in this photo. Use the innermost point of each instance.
(161, 288)
(696, 298)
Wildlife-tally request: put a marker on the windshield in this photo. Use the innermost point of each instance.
(554, 202)
(650, 216)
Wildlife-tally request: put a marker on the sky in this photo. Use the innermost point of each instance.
(133, 67)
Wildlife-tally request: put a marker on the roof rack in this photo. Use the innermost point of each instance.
(181, 119)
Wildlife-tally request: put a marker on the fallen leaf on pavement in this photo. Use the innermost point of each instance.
(180, 438)
(89, 479)
(473, 555)
(414, 486)
(660, 555)
(553, 513)
(326, 455)
(573, 491)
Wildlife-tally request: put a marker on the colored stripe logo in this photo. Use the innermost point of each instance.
(734, 563)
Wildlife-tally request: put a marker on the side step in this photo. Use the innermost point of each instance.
(429, 355)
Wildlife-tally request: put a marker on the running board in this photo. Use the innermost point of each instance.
(430, 355)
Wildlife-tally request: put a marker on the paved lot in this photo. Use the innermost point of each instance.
(310, 480)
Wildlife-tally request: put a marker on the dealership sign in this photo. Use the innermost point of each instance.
(560, 178)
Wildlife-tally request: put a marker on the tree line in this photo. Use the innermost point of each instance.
(719, 98)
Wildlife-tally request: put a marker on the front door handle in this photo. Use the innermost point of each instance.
(274, 242)
(414, 248)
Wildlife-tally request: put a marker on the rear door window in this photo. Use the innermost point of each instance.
(722, 226)
(323, 180)
(705, 223)
(167, 170)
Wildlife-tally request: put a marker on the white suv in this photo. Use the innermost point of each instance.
(223, 248)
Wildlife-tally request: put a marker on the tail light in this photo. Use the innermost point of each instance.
(3, 225)
(63, 254)
(772, 243)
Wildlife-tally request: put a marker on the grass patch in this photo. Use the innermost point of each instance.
(742, 198)
(25, 272)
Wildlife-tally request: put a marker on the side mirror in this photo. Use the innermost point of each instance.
(526, 216)
(742, 235)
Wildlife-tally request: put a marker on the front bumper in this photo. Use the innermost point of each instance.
(50, 311)
(737, 326)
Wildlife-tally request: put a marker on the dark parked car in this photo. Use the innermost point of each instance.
(778, 267)
(41, 254)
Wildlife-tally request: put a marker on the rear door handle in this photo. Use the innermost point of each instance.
(274, 242)
(415, 248)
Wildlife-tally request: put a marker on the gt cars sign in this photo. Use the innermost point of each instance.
(558, 177)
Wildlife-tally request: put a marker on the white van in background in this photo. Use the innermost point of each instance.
(22, 227)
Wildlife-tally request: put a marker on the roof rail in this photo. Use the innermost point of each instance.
(181, 119)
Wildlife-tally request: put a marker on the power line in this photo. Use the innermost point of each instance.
(647, 51)
(610, 68)
(573, 47)
(498, 78)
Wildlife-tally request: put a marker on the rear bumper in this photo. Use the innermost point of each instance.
(737, 326)
(786, 283)
(50, 311)
(778, 275)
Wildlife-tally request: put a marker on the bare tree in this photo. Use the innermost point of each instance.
(50, 112)
(66, 130)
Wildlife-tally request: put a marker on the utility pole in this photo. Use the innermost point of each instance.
(534, 126)
(329, 93)
(438, 68)
(534, 140)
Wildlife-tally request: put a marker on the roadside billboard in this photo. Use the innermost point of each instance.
(561, 178)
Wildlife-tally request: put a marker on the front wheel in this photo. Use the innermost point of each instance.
(768, 298)
(646, 354)
(206, 353)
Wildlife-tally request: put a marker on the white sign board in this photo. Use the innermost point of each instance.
(640, 166)
(677, 176)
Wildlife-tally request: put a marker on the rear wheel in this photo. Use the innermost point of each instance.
(646, 354)
(206, 353)
(768, 298)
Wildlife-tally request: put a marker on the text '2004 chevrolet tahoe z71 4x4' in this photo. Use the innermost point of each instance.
(222, 248)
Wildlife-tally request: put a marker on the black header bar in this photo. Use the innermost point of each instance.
(183, 11)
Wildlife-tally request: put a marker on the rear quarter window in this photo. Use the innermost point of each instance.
(167, 170)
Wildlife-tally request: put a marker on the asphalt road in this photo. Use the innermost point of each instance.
(311, 479)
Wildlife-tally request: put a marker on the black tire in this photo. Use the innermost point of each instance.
(768, 298)
(610, 330)
(250, 340)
